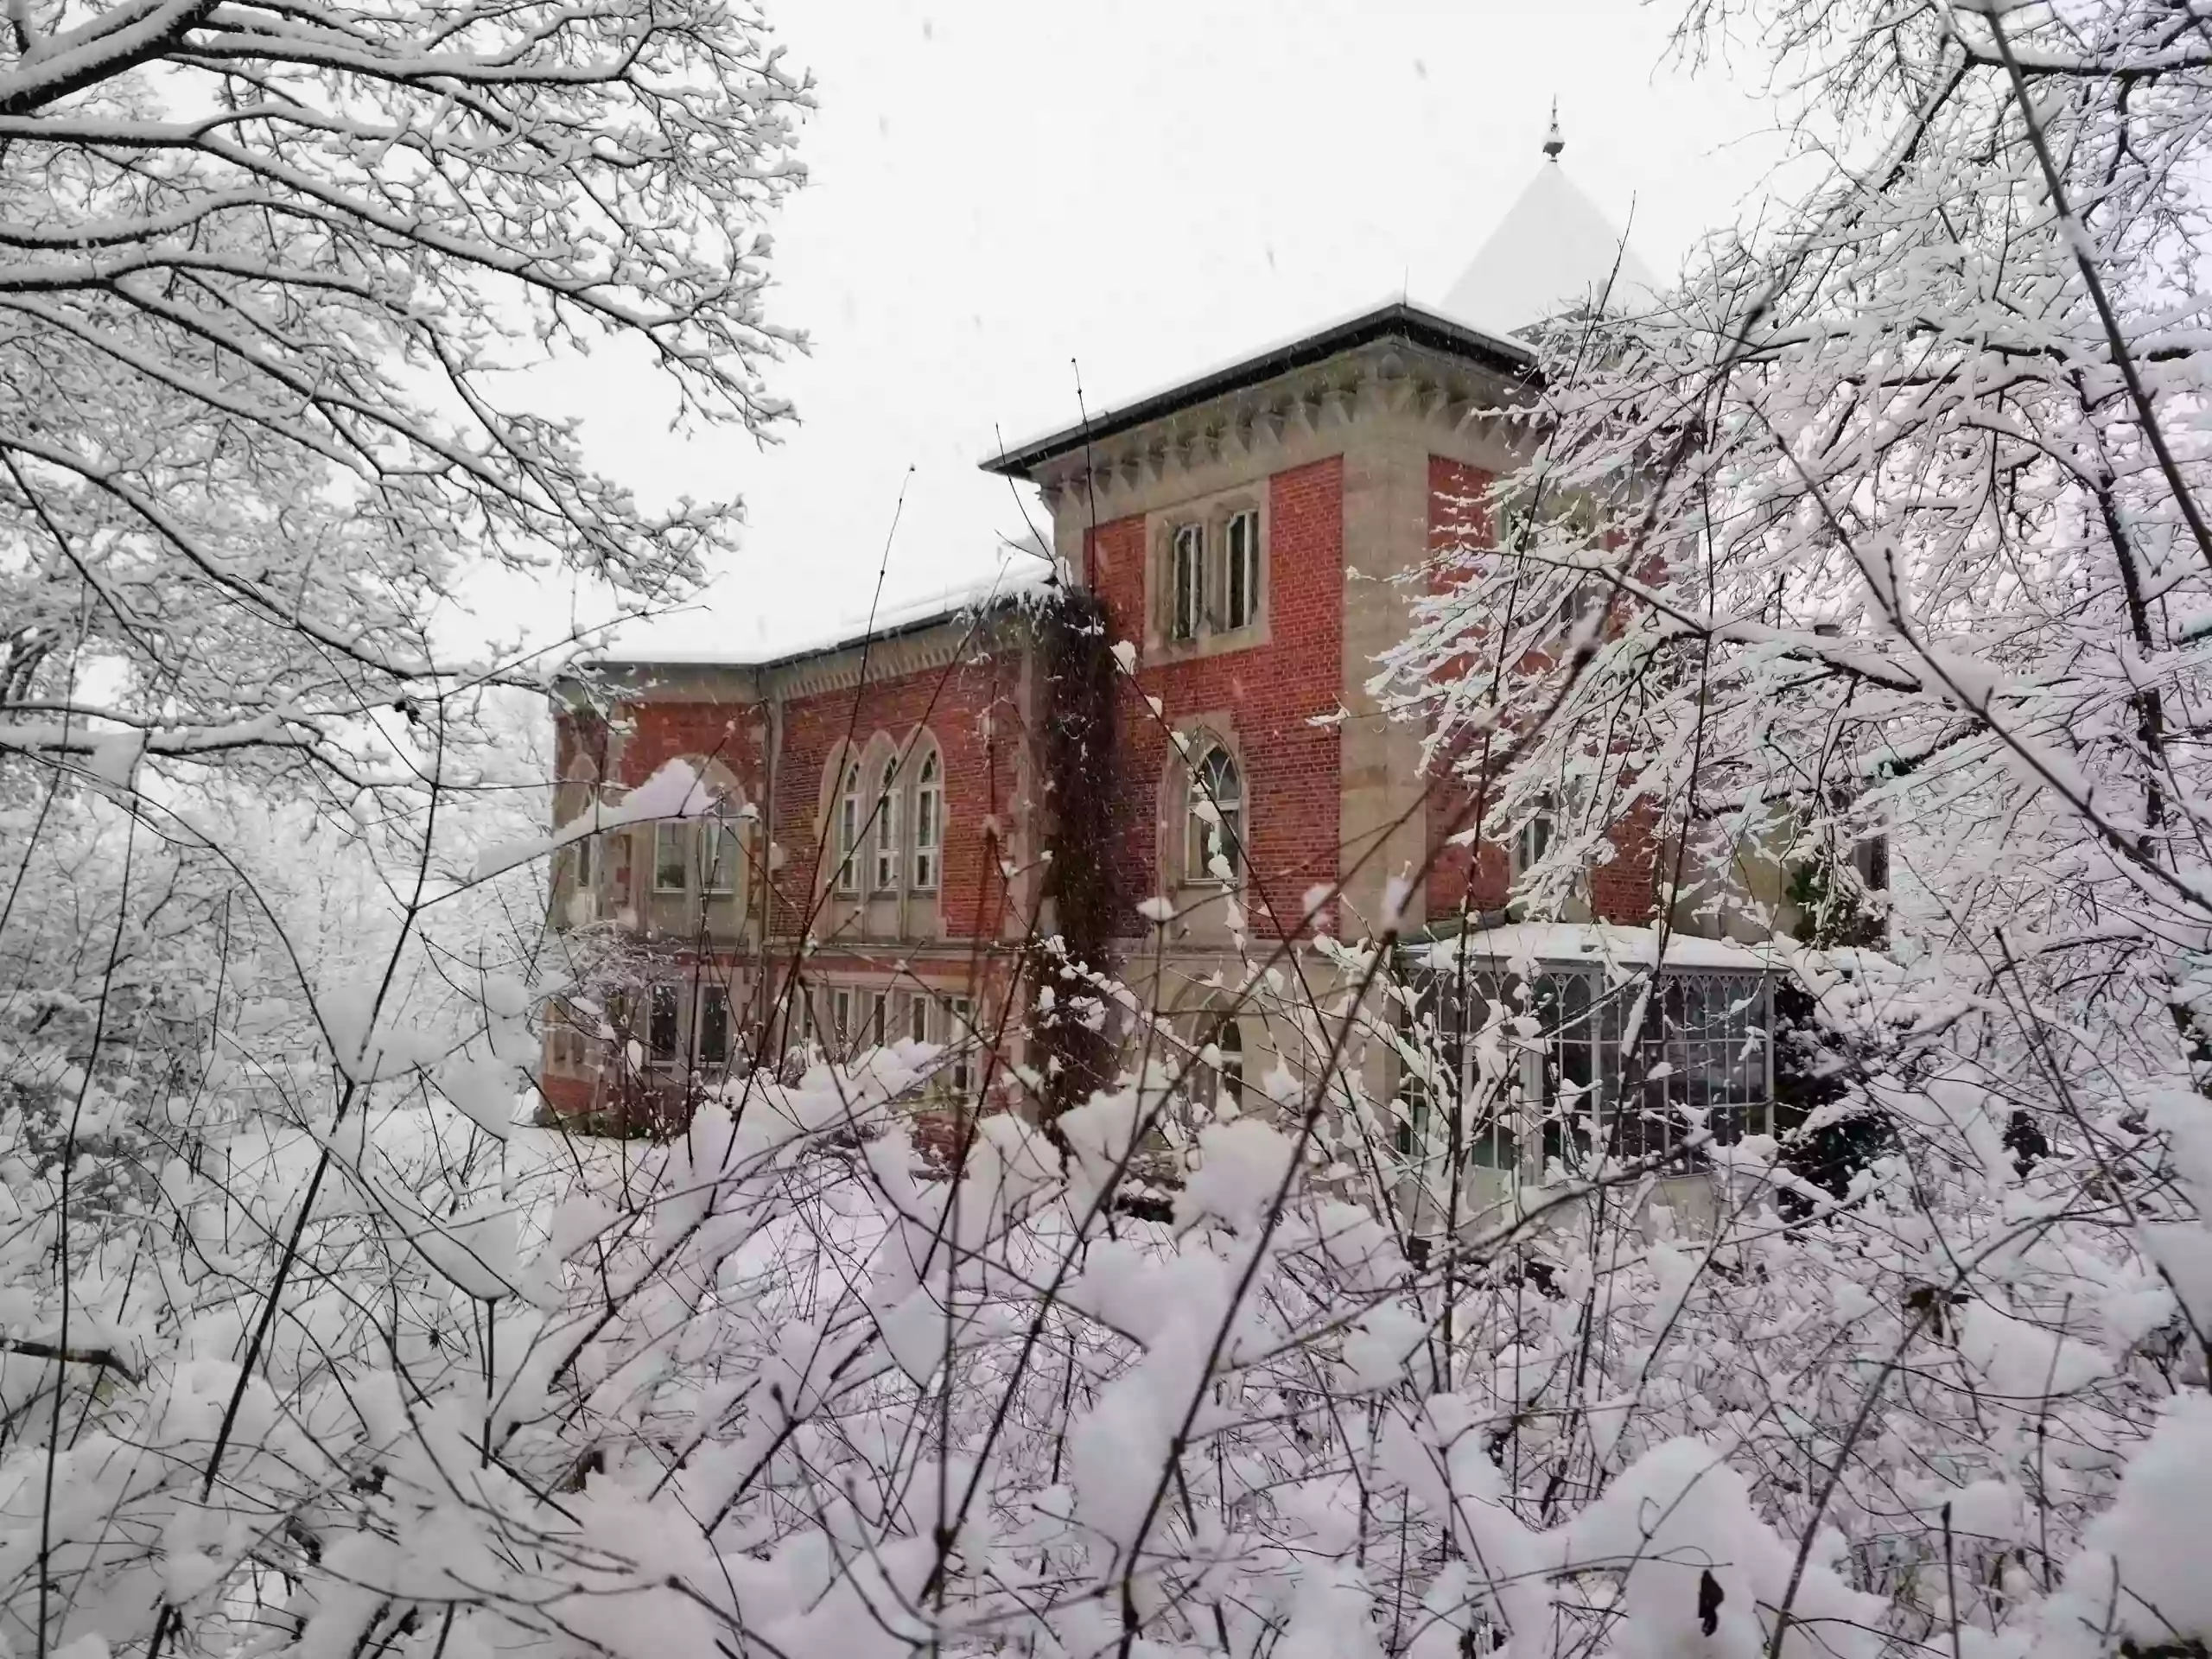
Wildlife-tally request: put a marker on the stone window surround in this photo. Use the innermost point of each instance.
(946, 1016)
(1214, 511)
(590, 866)
(870, 755)
(733, 814)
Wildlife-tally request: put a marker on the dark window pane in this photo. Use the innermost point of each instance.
(713, 1026)
(1237, 601)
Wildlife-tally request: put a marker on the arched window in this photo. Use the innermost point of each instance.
(929, 824)
(885, 879)
(848, 829)
(1213, 846)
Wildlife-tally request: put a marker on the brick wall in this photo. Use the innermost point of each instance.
(650, 733)
(1479, 877)
(971, 707)
(730, 734)
(1459, 516)
(972, 710)
(1270, 694)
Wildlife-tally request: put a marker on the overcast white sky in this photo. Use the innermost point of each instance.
(1145, 186)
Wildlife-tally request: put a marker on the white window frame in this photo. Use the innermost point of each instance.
(928, 822)
(917, 1017)
(1241, 560)
(1713, 1028)
(886, 872)
(847, 809)
(1187, 582)
(719, 833)
(1231, 821)
(671, 836)
(1535, 838)
(841, 1019)
(1229, 1042)
(959, 1036)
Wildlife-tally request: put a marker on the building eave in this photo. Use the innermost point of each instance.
(1398, 320)
(648, 669)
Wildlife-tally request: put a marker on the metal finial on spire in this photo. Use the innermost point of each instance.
(1553, 143)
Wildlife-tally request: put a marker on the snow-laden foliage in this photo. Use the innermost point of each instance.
(266, 273)
(780, 1386)
(1880, 551)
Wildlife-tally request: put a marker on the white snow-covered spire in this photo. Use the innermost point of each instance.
(1554, 252)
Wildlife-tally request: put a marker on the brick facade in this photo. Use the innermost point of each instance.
(1476, 878)
(1371, 460)
(1264, 700)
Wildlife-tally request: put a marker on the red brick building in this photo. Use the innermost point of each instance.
(1159, 756)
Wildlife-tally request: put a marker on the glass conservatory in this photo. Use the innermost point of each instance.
(1530, 1045)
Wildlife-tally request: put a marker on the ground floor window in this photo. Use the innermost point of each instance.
(714, 1025)
(1229, 1042)
(1586, 1061)
(959, 1035)
(661, 1025)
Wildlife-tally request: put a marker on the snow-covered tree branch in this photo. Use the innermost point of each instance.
(266, 272)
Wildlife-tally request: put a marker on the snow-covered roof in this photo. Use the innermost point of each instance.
(1394, 316)
(1599, 943)
(1025, 574)
(1553, 253)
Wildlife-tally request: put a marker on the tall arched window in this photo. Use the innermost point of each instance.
(848, 828)
(886, 874)
(929, 824)
(1213, 846)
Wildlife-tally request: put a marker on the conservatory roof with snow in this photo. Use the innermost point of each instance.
(1606, 945)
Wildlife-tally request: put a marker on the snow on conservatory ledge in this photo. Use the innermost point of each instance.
(1534, 1048)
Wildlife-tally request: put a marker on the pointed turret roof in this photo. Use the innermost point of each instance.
(1553, 253)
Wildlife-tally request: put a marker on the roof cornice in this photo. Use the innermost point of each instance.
(1509, 359)
(927, 641)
